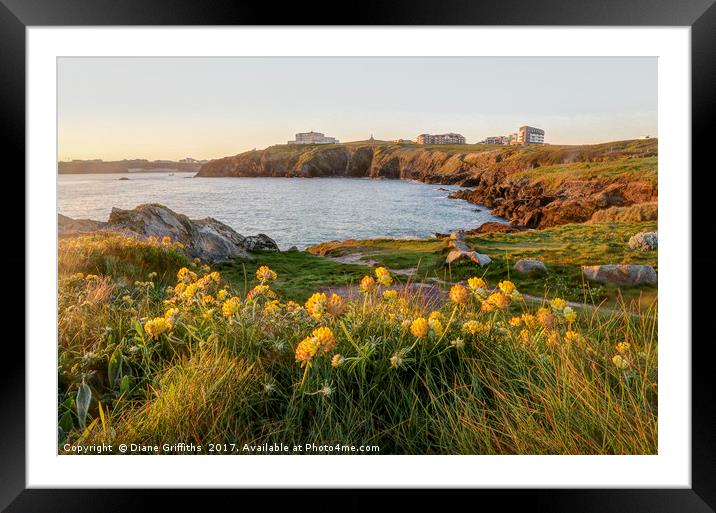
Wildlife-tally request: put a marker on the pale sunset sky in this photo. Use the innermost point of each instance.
(206, 107)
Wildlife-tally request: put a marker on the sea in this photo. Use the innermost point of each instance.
(297, 212)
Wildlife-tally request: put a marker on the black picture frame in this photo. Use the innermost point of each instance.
(700, 15)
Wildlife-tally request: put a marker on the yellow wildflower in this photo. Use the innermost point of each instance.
(337, 360)
(316, 305)
(325, 337)
(272, 307)
(435, 315)
(307, 349)
(231, 306)
(553, 338)
(436, 326)
(367, 284)
(91, 277)
(383, 276)
(260, 290)
(573, 336)
(569, 314)
(499, 300)
(157, 326)
(620, 362)
(545, 317)
(458, 294)
(171, 315)
(419, 327)
(476, 283)
(390, 295)
(475, 327)
(80, 276)
(292, 306)
(487, 307)
(190, 290)
(515, 321)
(335, 306)
(530, 321)
(525, 336)
(166, 240)
(214, 276)
(208, 314)
(186, 275)
(623, 347)
(507, 287)
(207, 299)
(264, 274)
(222, 294)
(558, 304)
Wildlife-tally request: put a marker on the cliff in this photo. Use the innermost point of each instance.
(532, 186)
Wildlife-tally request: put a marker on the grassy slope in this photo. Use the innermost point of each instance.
(564, 250)
(637, 169)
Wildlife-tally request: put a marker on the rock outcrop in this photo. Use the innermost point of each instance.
(492, 177)
(644, 241)
(621, 274)
(207, 239)
(525, 266)
(67, 226)
(460, 251)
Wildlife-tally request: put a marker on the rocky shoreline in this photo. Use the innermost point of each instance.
(492, 176)
(207, 239)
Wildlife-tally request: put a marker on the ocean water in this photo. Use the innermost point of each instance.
(293, 211)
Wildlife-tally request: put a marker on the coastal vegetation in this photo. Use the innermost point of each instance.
(156, 348)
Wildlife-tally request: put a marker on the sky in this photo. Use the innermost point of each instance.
(207, 107)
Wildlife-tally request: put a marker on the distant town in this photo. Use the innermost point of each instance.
(523, 136)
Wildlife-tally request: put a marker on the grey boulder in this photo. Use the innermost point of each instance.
(629, 274)
(525, 266)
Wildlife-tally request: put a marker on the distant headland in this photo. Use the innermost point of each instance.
(188, 165)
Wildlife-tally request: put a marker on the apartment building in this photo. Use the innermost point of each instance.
(450, 138)
(313, 138)
(530, 135)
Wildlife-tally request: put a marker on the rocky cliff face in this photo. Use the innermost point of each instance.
(490, 174)
(207, 238)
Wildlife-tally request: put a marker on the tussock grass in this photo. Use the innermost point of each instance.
(202, 362)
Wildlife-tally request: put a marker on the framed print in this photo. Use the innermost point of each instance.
(418, 250)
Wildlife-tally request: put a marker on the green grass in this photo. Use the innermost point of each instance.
(554, 177)
(300, 273)
(563, 249)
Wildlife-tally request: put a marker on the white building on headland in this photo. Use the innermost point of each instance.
(450, 138)
(530, 135)
(313, 138)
